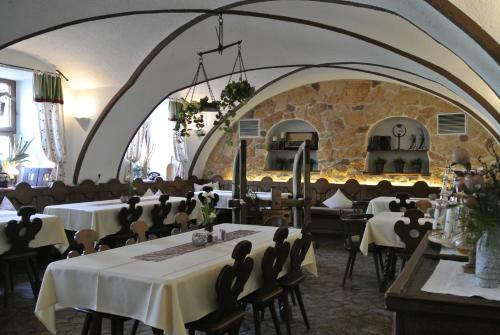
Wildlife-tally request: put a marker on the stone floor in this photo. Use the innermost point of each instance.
(356, 309)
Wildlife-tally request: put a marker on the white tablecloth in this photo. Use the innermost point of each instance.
(449, 278)
(381, 204)
(380, 231)
(102, 215)
(225, 196)
(52, 232)
(164, 294)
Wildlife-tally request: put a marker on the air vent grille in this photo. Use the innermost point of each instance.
(249, 128)
(452, 124)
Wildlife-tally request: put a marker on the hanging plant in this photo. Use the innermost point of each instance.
(235, 93)
(190, 114)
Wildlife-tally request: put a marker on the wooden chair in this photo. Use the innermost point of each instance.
(182, 222)
(354, 228)
(93, 320)
(159, 213)
(230, 283)
(19, 235)
(423, 205)
(291, 281)
(265, 297)
(213, 201)
(139, 228)
(402, 205)
(126, 216)
(277, 217)
(411, 233)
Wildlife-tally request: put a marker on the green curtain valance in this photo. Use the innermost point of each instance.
(47, 87)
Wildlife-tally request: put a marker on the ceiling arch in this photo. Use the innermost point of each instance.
(309, 32)
(326, 72)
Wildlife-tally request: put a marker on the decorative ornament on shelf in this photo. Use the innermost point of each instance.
(399, 130)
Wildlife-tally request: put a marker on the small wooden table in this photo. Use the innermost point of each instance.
(419, 312)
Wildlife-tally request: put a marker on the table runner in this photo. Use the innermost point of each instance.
(449, 278)
(165, 294)
(161, 255)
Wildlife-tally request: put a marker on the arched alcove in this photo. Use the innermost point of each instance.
(282, 140)
(411, 147)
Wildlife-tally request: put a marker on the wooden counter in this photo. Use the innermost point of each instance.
(422, 313)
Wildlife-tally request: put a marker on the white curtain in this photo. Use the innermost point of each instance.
(180, 155)
(51, 123)
(134, 150)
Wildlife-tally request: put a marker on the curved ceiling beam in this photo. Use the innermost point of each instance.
(469, 26)
(345, 66)
(475, 95)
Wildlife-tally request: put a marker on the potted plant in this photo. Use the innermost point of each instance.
(235, 92)
(379, 164)
(399, 165)
(17, 156)
(482, 224)
(416, 164)
(189, 114)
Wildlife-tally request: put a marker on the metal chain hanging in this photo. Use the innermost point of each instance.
(238, 61)
(194, 83)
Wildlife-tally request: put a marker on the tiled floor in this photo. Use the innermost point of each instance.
(356, 309)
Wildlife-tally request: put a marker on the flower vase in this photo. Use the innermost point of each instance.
(487, 264)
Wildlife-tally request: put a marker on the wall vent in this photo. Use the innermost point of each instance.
(249, 128)
(452, 124)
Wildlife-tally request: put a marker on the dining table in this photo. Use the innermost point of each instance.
(52, 232)
(381, 204)
(164, 283)
(101, 216)
(225, 196)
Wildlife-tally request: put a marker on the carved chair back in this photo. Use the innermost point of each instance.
(129, 214)
(274, 258)
(139, 228)
(354, 226)
(297, 255)
(160, 211)
(412, 233)
(20, 234)
(87, 238)
(213, 200)
(423, 205)
(232, 279)
(401, 203)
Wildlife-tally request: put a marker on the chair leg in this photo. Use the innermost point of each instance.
(31, 277)
(256, 320)
(11, 277)
(352, 263)
(191, 331)
(287, 312)
(375, 261)
(292, 294)
(86, 324)
(36, 273)
(301, 305)
(6, 282)
(272, 308)
(347, 267)
(96, 324)
(116, 327)
(134, 327)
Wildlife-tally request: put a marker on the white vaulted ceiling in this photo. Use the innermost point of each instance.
(146, 55)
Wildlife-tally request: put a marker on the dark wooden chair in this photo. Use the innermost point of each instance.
(182, 223)
(213, 201)
(159, 213)
(291, 281)
(230, 283)
(126, 216)
(401, 203)
(265, 297)
(19, 235)
(354, 228)
(411, 233)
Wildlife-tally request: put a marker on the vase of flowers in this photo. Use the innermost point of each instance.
(208, 212)
(481, 192)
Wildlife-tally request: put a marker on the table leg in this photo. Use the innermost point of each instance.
(389, 269)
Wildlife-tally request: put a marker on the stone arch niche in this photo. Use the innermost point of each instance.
(279, 154)
(382, 144)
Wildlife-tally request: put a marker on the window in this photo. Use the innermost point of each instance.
(7, 114)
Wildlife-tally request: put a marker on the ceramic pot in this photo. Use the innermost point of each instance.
(487, 265)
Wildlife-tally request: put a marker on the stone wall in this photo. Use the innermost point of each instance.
(342, 112)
